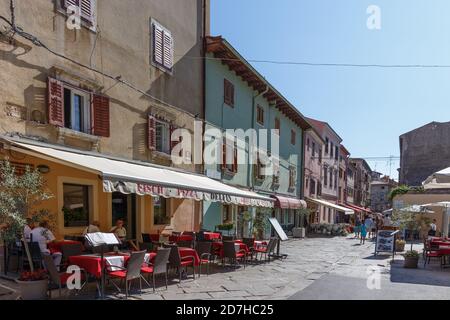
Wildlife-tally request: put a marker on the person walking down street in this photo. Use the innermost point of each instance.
(363, 233)
(357, 227)
(368, 223)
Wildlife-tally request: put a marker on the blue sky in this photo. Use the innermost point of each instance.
(368, 107)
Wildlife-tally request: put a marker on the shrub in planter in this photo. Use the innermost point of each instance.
(400, 245)
(33, 285)
(411, 259)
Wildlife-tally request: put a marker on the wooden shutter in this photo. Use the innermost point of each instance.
(151, 132)
(167, 50)
(224, 155)
(100, 116)
(228, 89)
(55, 102)
(235, 159)
(174, 143)
(158, 44)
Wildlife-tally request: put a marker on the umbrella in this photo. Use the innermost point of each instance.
(415, 208)
(438, 180)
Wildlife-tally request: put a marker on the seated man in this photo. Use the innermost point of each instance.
(120, 231)
(43, 236)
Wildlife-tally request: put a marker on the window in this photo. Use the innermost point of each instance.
(276, 174)
(312, 187)
(331, 149)
(76, 207)
(228, 93)
(335, 179)
(259, 171)
(282, 216)
(77, 115)
(260, 115)
(290, 215)
(307, 144)
(162, 47)
(327, 141)
(306, 183)
(313, 150)
(160, 216)
(329, 215)
(331, 178)
(227, 214)
(77, 109)
(293, 137)
(229, 165)
(277, 125)
(87, 9)
(336, 153)
(292, 177)
(320, 155)
(325, 176)
(162, 133)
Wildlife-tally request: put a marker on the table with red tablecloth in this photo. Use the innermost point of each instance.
(439, 242)
(92, 263)
(183, 237)
(211, 236)
(186, 252)
(55, 246)
(218, 247)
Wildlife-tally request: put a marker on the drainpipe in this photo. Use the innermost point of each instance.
(250, 181)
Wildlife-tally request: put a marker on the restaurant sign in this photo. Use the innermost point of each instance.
(180, 193)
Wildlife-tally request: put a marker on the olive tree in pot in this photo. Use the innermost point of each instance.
(20, 195)
(414, 222)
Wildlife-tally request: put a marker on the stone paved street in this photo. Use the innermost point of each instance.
(316, 268)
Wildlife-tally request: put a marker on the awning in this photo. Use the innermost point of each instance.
(357, 208)
(120, 175)
(347, 211)
(289, 203)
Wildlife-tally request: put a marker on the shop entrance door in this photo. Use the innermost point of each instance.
(124, 207)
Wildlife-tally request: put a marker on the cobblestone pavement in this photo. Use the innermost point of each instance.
(309, 261)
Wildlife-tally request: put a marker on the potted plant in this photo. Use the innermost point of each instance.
(414, 222)
(400, 245)
(411, 259)
(33, 285)
(260, 224)
(19, 196)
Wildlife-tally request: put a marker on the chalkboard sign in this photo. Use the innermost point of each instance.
(278, 229)
(385, 241)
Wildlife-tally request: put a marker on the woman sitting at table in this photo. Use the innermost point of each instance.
(43, 236)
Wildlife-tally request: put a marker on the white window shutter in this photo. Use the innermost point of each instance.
(87, 9)
(68, 3)
(158, 49)
(168, 50)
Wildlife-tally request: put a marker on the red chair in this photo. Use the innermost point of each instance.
(430, 253)
(130, 273)
(179, 264)
(266, 250)
(159, 266)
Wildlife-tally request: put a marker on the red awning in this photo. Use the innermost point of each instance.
(289, 203)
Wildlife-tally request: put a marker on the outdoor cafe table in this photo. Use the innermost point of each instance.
(439, 242)
(92, 263)
(183, 237)
(218, 247)
(55, 246)
(211, 236)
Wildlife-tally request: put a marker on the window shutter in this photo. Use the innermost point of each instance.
(224, 155)
(168, 49)
(68, 3)
(55, 102)
(100, 116)
(235, 160)
(151, 134)
(174, 143)
(157, 44)
(228, 89)
(87, 9)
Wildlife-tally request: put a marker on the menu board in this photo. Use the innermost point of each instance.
(278, 229)
(385, 241)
